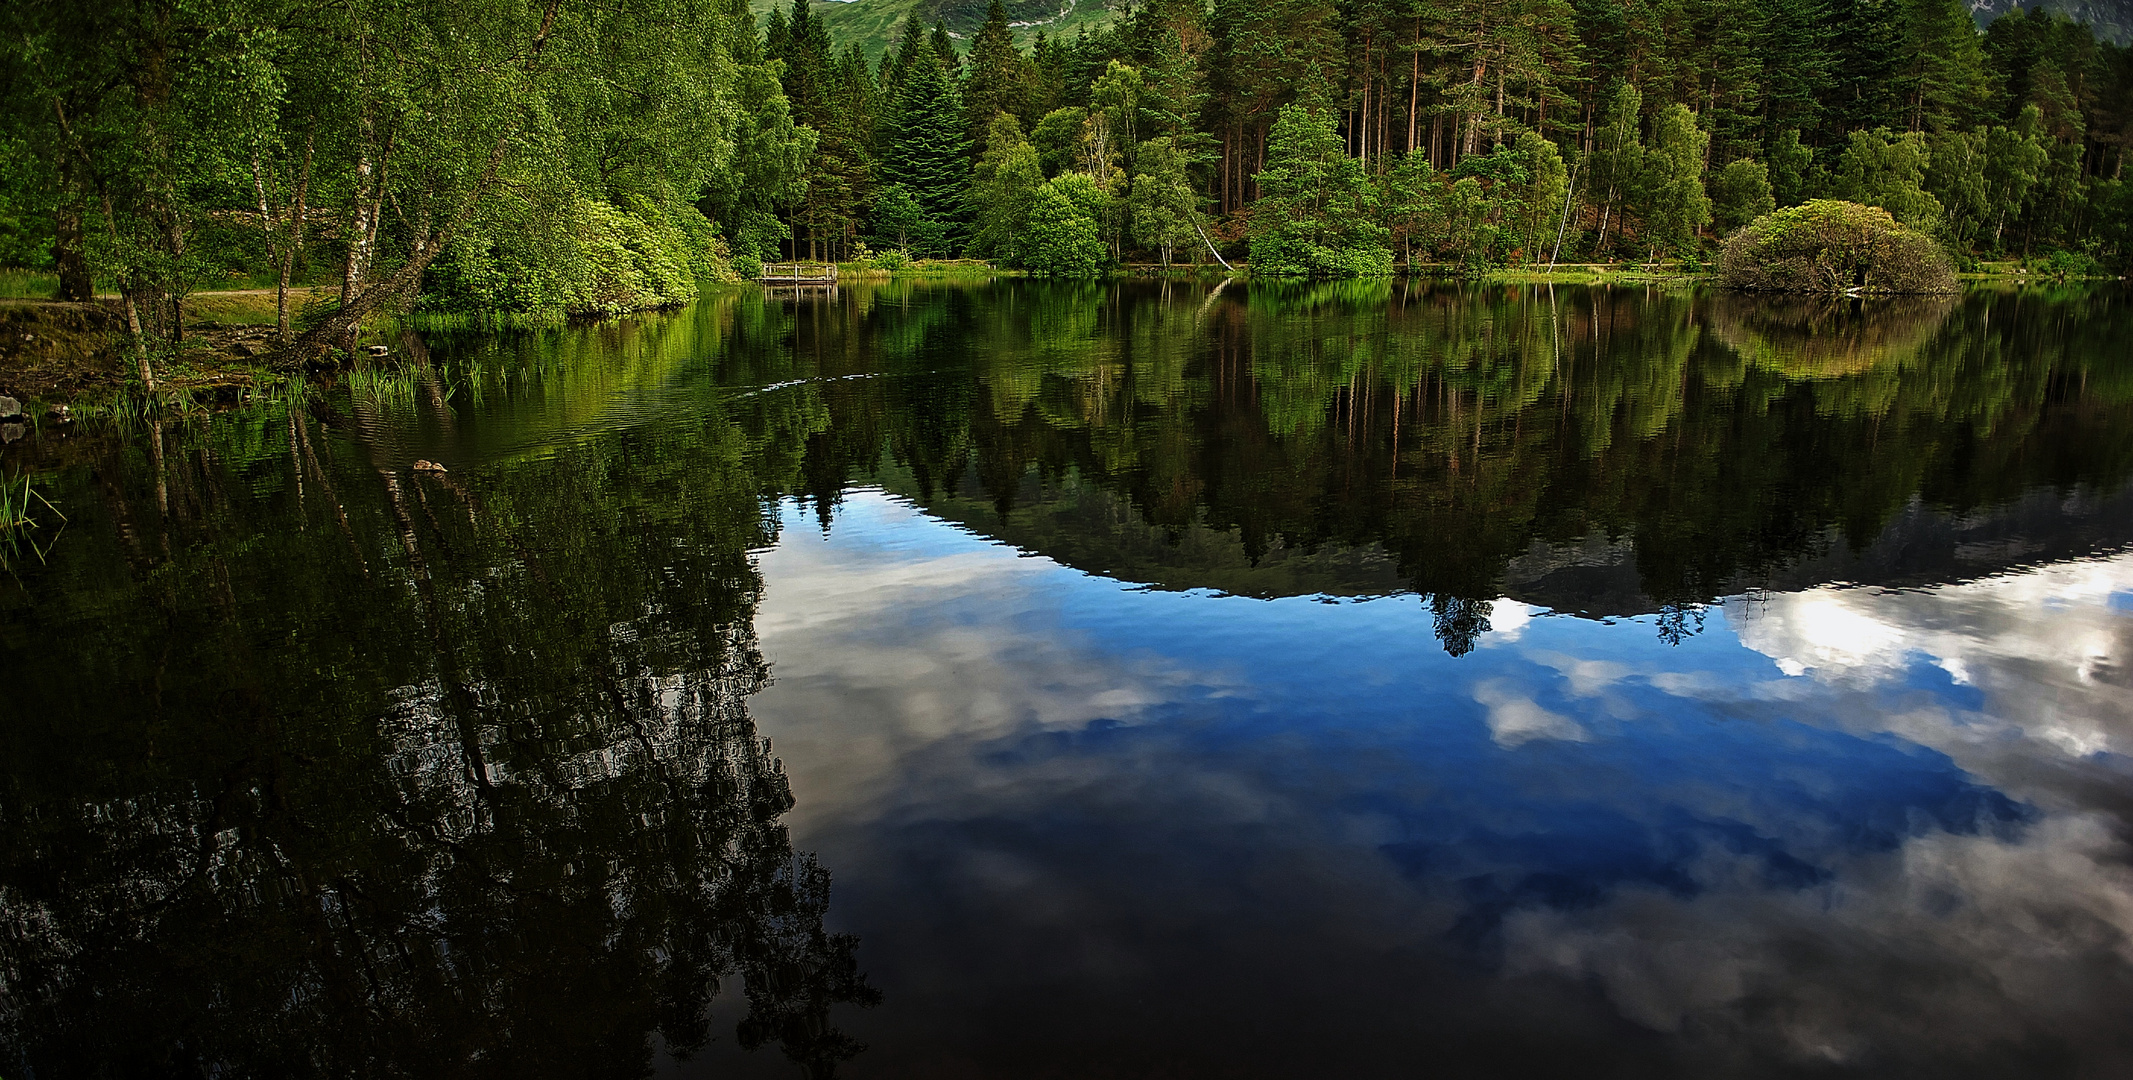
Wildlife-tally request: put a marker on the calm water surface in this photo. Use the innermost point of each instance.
(1144, 680)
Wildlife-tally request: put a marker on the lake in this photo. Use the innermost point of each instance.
(1139, 679)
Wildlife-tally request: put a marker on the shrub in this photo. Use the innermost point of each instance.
(2067, 264)
(1061, 239)
(1828, 246)
(577, 256)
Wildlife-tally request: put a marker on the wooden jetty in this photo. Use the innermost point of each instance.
(800, 275)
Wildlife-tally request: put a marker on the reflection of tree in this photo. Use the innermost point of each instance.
(1452, 428)
(1459, 621)
(1824, 338)
(384, 773)
(1447, 430)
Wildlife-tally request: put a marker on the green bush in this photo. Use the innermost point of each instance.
(577, 257)
(1828, 246)
(1061, 239)
(2068, 264)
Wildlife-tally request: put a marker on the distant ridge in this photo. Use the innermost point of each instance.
(873, 23)
(2112, 19)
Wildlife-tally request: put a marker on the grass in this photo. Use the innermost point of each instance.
(28, 284)
(16, 507)
(465, 320)
(236, 308)
(920, 268)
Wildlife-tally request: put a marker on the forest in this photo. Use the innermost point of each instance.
(542, 157)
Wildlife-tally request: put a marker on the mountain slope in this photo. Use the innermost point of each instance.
(874, 23)
(2112, 19)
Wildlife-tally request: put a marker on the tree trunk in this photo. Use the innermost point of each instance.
(292, 246)
(1414, 86)
(68, 254)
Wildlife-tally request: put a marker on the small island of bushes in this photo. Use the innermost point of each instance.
(1831, 246)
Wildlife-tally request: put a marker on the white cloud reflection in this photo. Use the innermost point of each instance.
(915, 664)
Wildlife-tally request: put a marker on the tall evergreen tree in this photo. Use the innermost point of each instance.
(992, 79)
(928, 156)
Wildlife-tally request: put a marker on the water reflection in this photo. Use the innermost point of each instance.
(316, 766)
(1179, 680)
(1365, 439)
(1101, 827)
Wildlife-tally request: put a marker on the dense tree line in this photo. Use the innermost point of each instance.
(543, 155)
(1342, 138)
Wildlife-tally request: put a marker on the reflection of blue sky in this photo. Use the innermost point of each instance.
(1836, 825)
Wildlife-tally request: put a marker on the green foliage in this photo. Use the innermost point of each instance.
(1163, 206)
(589, 259)
(1003, 187)
(1675, 206)
(1058, 138)
(1827, 246)
(928, 151)
(1061, 238)
(1411, 199)
(1885, 169)
(1317, 211)
(1740, 193)
(1791, 168)
(901, 221)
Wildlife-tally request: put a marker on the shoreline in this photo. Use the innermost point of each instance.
(54, 353)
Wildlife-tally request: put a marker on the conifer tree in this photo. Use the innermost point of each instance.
(992, 79)
(1942, 78)
(929, 155)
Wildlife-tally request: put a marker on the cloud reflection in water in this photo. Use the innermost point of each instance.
(1077, 822)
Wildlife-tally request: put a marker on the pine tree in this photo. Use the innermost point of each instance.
(929, 156)
(992, 80)
(1867, 48)
(1942, 79)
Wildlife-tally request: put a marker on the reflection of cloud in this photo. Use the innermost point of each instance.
(2043, 650)
(1515, 719)
(946, 644)
(1507, 621)
(1586, 677)
(1964, 940)
(1026, 779)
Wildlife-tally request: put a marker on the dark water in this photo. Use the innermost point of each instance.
(1125, 681)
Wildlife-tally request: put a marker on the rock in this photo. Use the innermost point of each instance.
(9, 407)
(10, 432)
(425, 465)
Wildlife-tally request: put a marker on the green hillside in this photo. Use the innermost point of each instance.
(2113, 19)
(873, 23)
